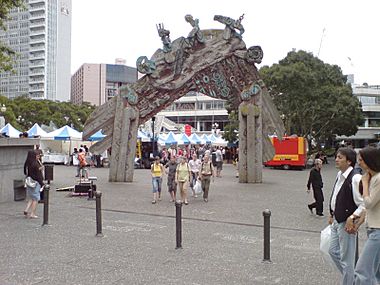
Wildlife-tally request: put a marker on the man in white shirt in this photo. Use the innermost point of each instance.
(346, 205)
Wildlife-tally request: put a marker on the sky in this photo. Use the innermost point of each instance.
(341, 32)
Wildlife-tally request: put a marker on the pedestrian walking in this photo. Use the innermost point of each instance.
(205, 175)
(34, 183)
(346, 205)
(183, 178)
(219, 161)
(315, 180)
(157, 170)
(367, 270)
(195, 165)
(171, 171)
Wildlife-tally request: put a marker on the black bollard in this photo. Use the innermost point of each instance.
(178, 223)
(98, 196)
(46, 205)
(267, 214)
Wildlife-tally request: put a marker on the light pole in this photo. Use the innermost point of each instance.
(3, 109)
(153, 119)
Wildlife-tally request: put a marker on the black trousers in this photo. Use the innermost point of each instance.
(318, 204)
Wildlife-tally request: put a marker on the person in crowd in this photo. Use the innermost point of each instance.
(218, 161)
(83, 172)
(33, 169)
(315, 180)
(346, 205)
(206, 171)
(367, 270)
(195, 165)
(182, 178)
(157, 170)
(171, 171)
(164, 156)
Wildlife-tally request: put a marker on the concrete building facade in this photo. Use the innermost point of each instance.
(97, 83)
(40, 33)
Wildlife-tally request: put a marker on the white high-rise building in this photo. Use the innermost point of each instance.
(40, 34)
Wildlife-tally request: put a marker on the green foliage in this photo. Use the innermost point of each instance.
(230, 130)
(313, 96)
(6, 54)
(22, 113)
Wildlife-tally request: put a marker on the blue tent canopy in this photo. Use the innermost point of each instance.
(195, 139)
(36, 131)
(184, 138)
(98, 136)
(67, 133)
(170, 139)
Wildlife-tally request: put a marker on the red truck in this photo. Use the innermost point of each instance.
(290, 152)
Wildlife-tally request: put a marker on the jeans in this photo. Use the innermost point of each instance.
(156, 182)
(342, 251)
(367, 270)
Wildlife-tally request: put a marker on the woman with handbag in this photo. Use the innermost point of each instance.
(34, 183)
(367, 270)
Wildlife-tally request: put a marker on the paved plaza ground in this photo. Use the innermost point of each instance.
(222, 240)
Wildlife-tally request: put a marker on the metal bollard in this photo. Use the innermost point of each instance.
(267, 214)
(46, 205)
(98, 196)
(178, 223)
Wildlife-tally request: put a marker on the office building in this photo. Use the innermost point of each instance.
(40, 33)
(97, 83)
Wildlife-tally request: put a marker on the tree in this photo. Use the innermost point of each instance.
(230, 130)
(313, 97)
(22, 112)
(6, 53)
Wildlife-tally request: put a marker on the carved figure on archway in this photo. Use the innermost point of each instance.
(164, 34)
(195, 34)
(231, 26)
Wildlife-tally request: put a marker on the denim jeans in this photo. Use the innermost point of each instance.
(156, 183)
(342, 251)
(367, 270)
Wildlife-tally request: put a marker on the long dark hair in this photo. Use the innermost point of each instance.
(30, 159)
(371, 157)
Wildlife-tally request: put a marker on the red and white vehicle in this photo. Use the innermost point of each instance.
(291, 152)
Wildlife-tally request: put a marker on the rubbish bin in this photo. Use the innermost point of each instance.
(19, 190)
(49, 172)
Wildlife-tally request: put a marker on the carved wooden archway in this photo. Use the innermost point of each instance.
(213, 62)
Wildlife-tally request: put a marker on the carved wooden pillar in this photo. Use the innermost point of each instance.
(123, 143)
(250, 143)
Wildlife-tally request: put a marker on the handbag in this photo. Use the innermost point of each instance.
(198, 187)
(325, 245)
(29, 182)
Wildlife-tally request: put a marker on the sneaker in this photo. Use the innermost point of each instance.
(205, 199)
(154, 202)
(195, 196)
(320, 214)
(310, 209)
(186, 203)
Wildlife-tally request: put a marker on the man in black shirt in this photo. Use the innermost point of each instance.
(315, 180)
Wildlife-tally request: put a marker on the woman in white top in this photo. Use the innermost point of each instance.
(367, 270)
(195, 165)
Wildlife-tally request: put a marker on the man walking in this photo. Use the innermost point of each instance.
(346, 206)
(205, 174)
(315, 180)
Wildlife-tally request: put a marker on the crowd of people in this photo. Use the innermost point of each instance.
(355, 198)
(183, 173)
